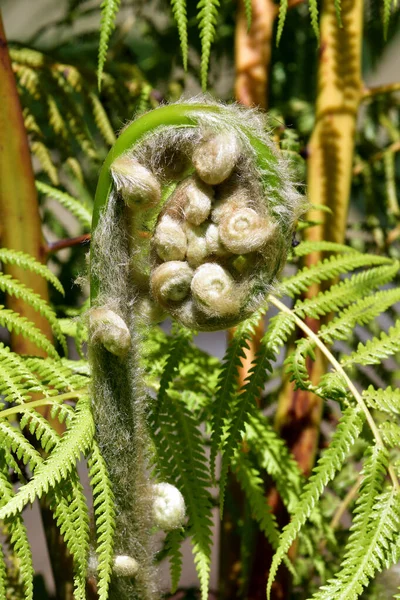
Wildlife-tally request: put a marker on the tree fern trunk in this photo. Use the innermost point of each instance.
(20, 229)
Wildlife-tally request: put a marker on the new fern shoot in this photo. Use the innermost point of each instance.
(193, 217)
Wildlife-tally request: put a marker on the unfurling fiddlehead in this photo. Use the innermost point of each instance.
(194, 216)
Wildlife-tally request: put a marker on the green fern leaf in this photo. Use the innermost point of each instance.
(235, 422)
(104, 513)
(376, 350)
(19, 541)
(58, 465)
(387, 400)
(347, 431)
(179, 11)
(17, 382)
(176, 435)
(25, 261)
(283, 6)
(248, 9)
(313, 4)
(72, 204)
(328, 269)
(338, 10)
(207, 17)
(102, 120)
(173, 543)
(390, 434)
(15, 323)
(15, 288)
(109, 9)
(306, 247)
(3, 575)
(43, 155)
(387, 7)
(57, 375)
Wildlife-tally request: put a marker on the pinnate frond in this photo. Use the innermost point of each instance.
(207, 17)
(69, 202)
(109, 9)
(104, 513)
(387, 400)
(374, 351)
(17, 324)
(179, 12)
(25, 261)
(283, 6)
(173, 543)
(61, 461)
(347, 431)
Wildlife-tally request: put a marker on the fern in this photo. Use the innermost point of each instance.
(173, 545)
(207, 17)
(70, 203)
(109, 10)
(20, 259)
(19, 541)
(346, 433)
(248, 9)
(179, 11)
(177, 437)
(376, 350)
(61, 461)
(314, 17)
(104, 518)
(17, 324)
(17, 289)
(387, 400)
(283, 6)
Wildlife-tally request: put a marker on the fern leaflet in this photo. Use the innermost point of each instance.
(14, 322)
(173, 544)
(283, 6)
(179, 11)
(207, 16)
(109, 9)
(25, 261)
(387, 400)
(69, 202)
(376, 350)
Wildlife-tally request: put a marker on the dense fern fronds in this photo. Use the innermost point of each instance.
(104, 519)
(387, 400)
(329, 464)
(181, 460)
(179, 11)
(109, 9)
(20, 259)
(72, 204)
(207, 17)
(15, 323)
(376, 350)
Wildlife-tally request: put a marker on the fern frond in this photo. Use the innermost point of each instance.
(58, 465)
(109, 9)
(72, 204)
(173, 543)
(313, 4)
(274, 456)
(104, 513)
(390, 433)
(234, 423)
(15, 323)
(181, 461)
(347, 431)
(58, 375)
(307, 247)
(344, 293)
(17, 382)
(179, 346)
(283, 6)
(387, 400)
(25, 261)
(15, 288)
(387, 7)
(328, 269)
(3, 575)
(43, 155)
(248, 9)
(207, 17)
(376, 350)
(179, 12)
(102, 120)
(19, 541)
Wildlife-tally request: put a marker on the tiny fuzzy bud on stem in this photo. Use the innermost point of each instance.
(107, 328)
(138, 186)
(215, 158)
(125, 566)
(214, 291)
(171, 282)
(170, 239)
(245, 231)
(168, 506)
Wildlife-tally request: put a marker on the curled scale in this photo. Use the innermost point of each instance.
(213, 209)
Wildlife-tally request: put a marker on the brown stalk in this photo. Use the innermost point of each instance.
(20, 229)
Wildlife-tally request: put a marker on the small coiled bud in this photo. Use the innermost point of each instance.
(245, 231)
(214, 291)
(215, 158)
(197, 250)
(137, 185)
(168, 506)
(150, 312)
(107, 328)
(198, 201)
(125, 566)
(170, 281)
(170, 239)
